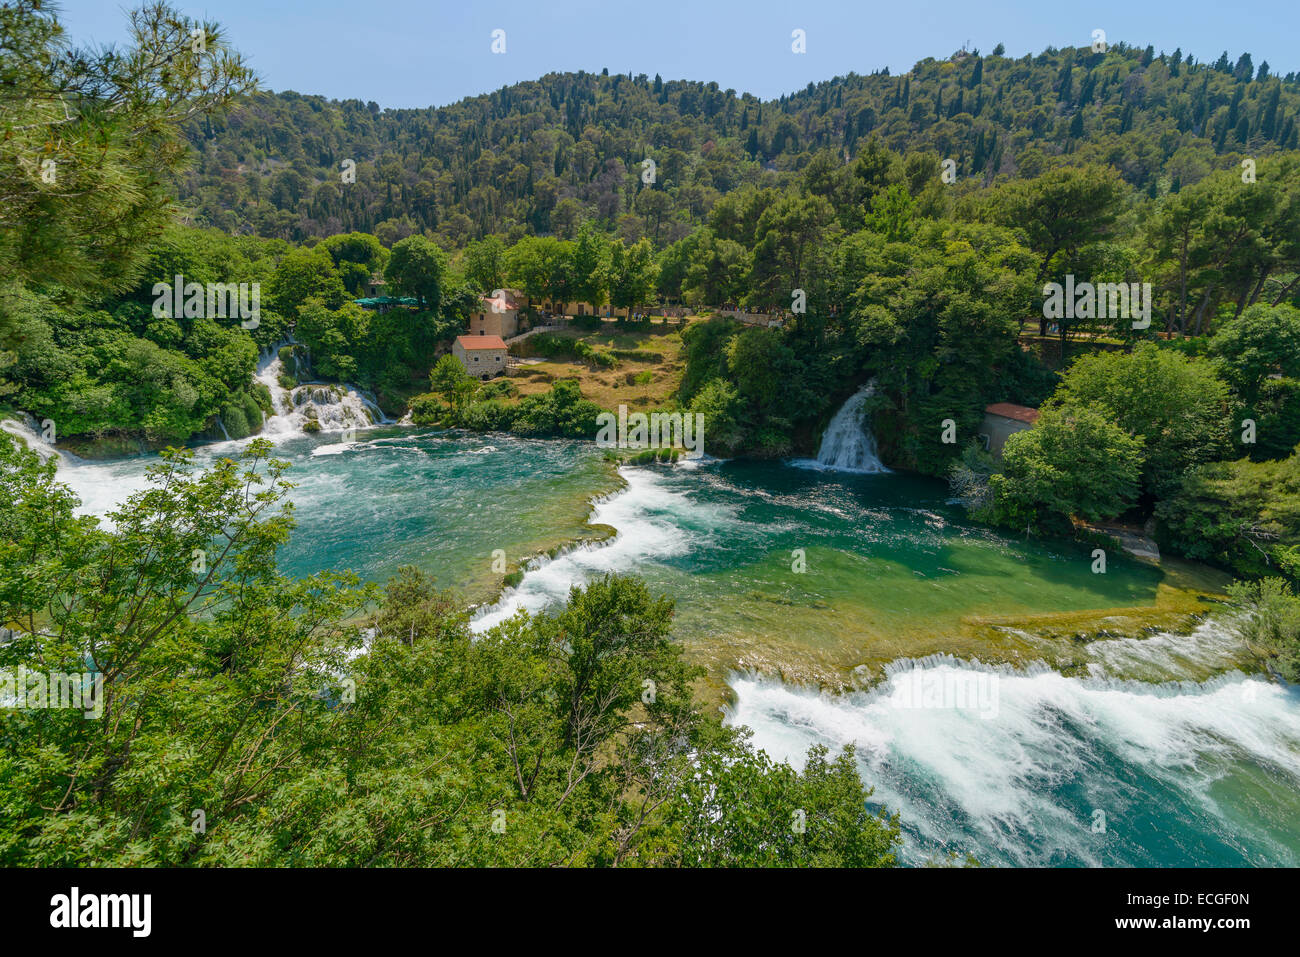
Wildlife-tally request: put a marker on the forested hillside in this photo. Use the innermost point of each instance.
(544, 156)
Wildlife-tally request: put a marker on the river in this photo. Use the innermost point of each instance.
(843, 607)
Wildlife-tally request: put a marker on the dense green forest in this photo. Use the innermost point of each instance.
(547, 155)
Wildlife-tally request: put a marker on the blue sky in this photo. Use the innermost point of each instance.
(414, 53)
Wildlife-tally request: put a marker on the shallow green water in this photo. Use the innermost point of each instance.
(811, 573)
(399, 496)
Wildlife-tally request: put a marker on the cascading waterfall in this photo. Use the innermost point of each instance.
(333, 408)
(848, 445)
(25, 432)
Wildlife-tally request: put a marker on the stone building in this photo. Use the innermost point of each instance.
(482, 356)
(1002, 420)
(498, 316)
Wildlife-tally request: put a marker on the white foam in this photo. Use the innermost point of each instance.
(998, 773)
(332, 408)
(653, 521)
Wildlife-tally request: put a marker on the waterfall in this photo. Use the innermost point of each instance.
(25, 432)
(221, 425)
(313, 407)
(848, 445)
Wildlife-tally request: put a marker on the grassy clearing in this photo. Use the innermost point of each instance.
(647, 371)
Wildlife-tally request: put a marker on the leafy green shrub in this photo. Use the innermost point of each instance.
(547, 345)
(597, 357)
(562, 411)
(427, 409)
(236, 423)
(492, 415)
(1271, 621)
(1240, 515)
(496, 389)
(262, 393)
(252, 412)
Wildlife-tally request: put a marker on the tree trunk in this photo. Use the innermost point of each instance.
(1286, 289)
(1200, 312)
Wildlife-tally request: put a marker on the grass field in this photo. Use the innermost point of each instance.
(648, 366)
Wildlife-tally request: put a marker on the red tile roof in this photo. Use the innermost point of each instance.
(504, 303)
(481, 342)
(1009, 410)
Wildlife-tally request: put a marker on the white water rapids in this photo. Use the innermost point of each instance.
(333, 408)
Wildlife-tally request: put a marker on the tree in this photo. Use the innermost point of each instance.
(1270, 621)
(449, 379)
(767, 373)
(305, 274)
(794, 233)
(632, 275)
(485, 264)
(1178, 407)
(716, 273)
(892, 212)
(1072, 463)
(180, 656)
(1244, 70)
(93, 138)
(590, 266)
(357, 257)
(742, 809)
(1241, 515)
(720, 404)
(417, 267)
(542, 267)
(1262, 341)
(1060, 212)
(1216, 242)
(334, 337)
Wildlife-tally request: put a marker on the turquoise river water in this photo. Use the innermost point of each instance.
(788, 580)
